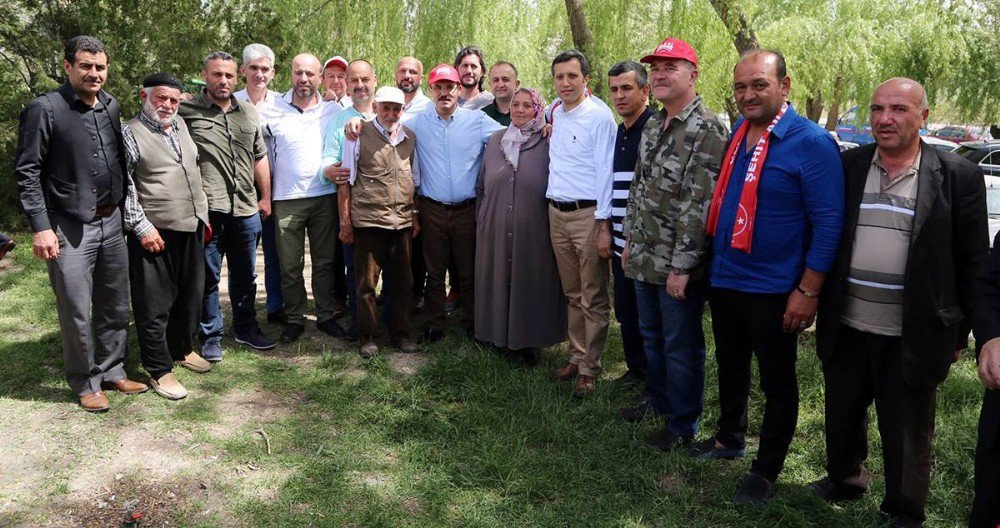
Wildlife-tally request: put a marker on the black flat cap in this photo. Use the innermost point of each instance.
(163, 79)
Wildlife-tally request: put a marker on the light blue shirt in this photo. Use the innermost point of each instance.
(334, 137)
(449, 153)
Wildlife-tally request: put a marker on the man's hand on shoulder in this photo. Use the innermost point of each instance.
(352, 130)
(337, 174)
(46, 245)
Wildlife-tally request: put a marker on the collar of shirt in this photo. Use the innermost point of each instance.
(156, 126)
(886, 181)
(639, 123)
(75, 101)
(400, 133)
(320, 103)
(685, 112)
(203, 100)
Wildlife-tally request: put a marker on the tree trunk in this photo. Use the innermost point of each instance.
(834, 114)
(582, 41)
(814, 108)
(744, 38)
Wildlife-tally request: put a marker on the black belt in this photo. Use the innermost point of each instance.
(572, 206)
(451, 206)
(104, 211)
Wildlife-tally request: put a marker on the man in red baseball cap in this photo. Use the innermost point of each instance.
(335, 81)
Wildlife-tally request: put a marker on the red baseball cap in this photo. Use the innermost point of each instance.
(444, 72)
(672, 48)
(335, 61)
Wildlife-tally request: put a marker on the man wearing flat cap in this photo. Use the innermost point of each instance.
(383, 165)
(166, 212)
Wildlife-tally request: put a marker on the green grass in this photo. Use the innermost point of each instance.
(469, 440)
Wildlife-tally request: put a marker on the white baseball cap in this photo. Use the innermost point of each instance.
(390, 94)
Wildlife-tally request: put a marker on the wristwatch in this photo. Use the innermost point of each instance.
(808, 294)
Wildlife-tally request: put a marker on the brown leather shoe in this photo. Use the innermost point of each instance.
(95, 402)
(566, 372)
(194, 362)
(125, 386)
(585, 385)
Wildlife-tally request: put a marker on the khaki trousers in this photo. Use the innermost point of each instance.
(295, 219)
(584, 276)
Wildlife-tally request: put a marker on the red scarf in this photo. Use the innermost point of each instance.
(747, 212)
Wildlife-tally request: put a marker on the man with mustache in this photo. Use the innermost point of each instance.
(581, 165)
(166, 212)
(471, 69)
(409, 76)
(237, 176)
(776, 217)
(303, 201)
(503, 84)
(894, 311)
(361, 83)
(70, 170)
(257, 70)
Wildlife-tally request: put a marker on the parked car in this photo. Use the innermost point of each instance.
(993, 205)
(940, 144)
(843, 145)
(851, 131)
(957, 134)
(984, 153)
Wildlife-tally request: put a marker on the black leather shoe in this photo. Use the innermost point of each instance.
(330, 328)
(666, 440)
(831, 491)
(278, 317)
(755, 490)
(291, 332)
(432, 335)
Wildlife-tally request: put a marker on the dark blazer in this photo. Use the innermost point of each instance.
(947, 246)
(56, 158)
(986, 316)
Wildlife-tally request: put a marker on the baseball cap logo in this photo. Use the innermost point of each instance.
(666, 46)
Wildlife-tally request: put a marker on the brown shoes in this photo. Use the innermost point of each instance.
(95, 402)
(125, 386)
(566, 372)
(194, 362)
(585, 385)
(168, 387)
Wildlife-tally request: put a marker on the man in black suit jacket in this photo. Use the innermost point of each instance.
(893, 312)
(70, 177)
(986, 326)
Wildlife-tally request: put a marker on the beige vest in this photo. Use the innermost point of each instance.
(382, 195)
(170, 191)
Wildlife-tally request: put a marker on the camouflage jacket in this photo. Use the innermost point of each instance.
(668, 202)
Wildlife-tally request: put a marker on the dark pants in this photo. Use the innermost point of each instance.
(986, 508)
(448, 231)
(865, 368)
(340, 275)
(272, 267)
(235, 238)
(675, 353)
(387, 250)
(90, 282)
(167, 290)
(417, 266)
(747, 325)
(627, 315)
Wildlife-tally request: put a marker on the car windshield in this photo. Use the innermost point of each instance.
(971, 154)
(993, 201)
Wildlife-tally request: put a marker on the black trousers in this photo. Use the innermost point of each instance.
(747, 325)
(387, 250)
(864, 368)
(986, 507)
(167, 290)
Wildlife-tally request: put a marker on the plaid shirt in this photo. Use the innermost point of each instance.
(134, 217)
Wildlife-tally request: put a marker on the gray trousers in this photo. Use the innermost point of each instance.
(90, 282)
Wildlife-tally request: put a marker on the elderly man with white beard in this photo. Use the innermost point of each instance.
(166, 211)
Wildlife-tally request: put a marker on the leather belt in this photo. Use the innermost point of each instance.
(572, 206)
(450, 206)
(105, 211)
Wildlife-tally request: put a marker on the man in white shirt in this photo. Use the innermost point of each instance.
(303, 201)
(580, 182)
(409, 77)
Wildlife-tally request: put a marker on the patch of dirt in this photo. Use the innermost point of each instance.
(407, 363)
(254, 409)
(8, 266)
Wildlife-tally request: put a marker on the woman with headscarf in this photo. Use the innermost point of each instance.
(520, 306)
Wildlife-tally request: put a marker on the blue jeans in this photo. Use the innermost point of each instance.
(272, 267)
(675, 353)
(627, 315)
(236, 238)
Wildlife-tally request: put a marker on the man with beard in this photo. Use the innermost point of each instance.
(776, 216)
(71, 182)
(409, 76)
(166, 211)
(472, 68)
(303, 200)
(335, 81)
(503, 84)
(237, 176)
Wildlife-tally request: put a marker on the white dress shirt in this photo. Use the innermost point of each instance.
(295, 137)
(581, 155)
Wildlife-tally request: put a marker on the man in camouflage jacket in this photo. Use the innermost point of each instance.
(679, 158)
